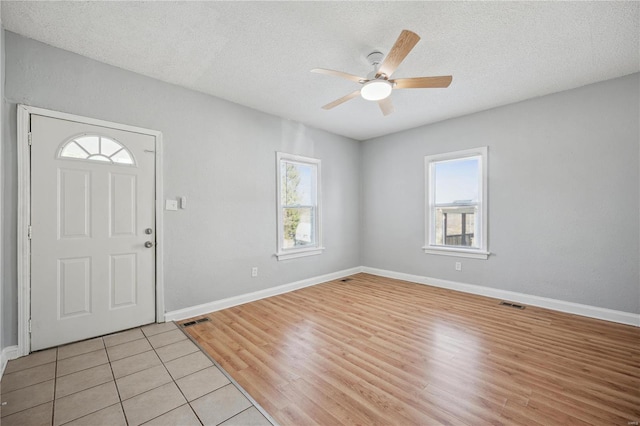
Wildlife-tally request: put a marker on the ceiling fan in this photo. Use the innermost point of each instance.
(377, 86)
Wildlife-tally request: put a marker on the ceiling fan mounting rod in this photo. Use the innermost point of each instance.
(375, 58)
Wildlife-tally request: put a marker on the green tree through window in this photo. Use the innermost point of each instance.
(291, 198)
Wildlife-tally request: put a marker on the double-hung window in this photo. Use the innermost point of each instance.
(456, 203)
(298, 206)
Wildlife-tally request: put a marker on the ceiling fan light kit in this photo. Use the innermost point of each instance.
(376, 90)
(377, 86)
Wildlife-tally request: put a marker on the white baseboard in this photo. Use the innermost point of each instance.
(7, 354)
(217, 305)
(527, 299)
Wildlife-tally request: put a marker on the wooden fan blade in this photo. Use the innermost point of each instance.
(342, 100)
(339, 74)
(422, 82)
(405, 42)
(386, 105)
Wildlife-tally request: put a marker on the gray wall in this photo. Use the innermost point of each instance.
(220, 155)
(563, 196)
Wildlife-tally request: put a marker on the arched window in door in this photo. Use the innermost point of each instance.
(96, 148)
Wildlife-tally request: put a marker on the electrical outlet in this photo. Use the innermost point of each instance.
(254, 271)
(458, 266)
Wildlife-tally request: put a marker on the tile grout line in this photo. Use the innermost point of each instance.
(174, 380)
(55, 383)
(84, 369)
(144, 369)
(87, 415)
(173, 409)
(86, 389)
(92, 387)
(232, 380)
(125, 342)
(237, 414)
(83, 353)
(25, 369)
(32, 384)
(201, 396)
(35, 406)
(195, 412)
(115, 383)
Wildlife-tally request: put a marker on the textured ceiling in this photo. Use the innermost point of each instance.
(259, 54)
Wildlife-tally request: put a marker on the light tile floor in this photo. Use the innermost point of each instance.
(152, 375)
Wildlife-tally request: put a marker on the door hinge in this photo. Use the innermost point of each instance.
(30, 138)
(29, 325)
(29, 232)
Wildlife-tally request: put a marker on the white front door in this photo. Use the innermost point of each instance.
(92, 212)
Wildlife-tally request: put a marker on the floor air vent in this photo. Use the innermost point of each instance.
(190, 323)
(512, 305)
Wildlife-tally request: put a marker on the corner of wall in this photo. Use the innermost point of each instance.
(361, 226)
(2, 60)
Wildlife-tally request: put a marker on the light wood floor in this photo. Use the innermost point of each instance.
(380, 351)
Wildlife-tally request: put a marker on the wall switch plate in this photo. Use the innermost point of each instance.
(458, 266)
(254, 271)
(171, 205)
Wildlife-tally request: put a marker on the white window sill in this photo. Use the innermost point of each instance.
(458, 252)
(299, 253)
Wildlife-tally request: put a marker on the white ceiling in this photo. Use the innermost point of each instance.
(259, 54)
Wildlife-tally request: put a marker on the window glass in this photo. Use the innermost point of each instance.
(456, 201)
(455, 226)
(456, 181)
(96, 148)
(122, 157)
(109, 147)
(73, 150)
(90, 143)
(298, 199)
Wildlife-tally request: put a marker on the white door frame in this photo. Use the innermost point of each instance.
(24, 213)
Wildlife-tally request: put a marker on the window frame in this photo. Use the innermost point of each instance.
(317, 248)
(482, 252)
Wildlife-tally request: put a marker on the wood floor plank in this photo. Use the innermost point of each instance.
(375, 350)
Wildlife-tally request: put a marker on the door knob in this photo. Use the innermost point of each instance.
(148, 244)
(148, 231)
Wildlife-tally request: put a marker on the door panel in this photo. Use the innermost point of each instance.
(123, 205)
(123, 280)
(74, 286)
(74, 197)
(92, 197)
